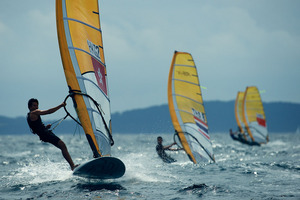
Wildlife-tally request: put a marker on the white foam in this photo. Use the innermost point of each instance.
(44, 171)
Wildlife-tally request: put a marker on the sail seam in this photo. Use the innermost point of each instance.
(259, 132)
(205, 149)
(86, 79)
(81, 22)
(185, 81)
(188, 98)
(254, 109)
(76, 48)
(193, 66)
(201, 135)
(185, 112)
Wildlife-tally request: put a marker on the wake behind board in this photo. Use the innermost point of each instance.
(101, 168)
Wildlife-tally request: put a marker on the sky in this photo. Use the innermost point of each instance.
(234, 44)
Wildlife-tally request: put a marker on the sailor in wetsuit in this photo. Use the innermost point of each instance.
(37, 127)
(239, 137)
(235, 135)
(160, 149)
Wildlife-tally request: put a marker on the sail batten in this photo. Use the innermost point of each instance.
(187, 98)
(84, 51)
(193, 66)
(186, 81)
(187, 109)
(76, 20)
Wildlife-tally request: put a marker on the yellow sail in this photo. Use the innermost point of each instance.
(187, 109)
(81, 48)
(254, 116)
(239, 111)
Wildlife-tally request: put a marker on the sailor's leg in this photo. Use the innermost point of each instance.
(61, 145)
(169, 159)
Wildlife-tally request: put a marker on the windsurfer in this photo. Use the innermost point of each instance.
(239, 137)
(37, 127)
(235, 135)
(160, 149)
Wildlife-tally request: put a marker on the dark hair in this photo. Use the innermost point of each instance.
(31, 101)
(159, 137)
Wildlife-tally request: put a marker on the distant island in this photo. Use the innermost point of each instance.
(281, 117)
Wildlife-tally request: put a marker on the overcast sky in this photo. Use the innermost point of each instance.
(234, 44)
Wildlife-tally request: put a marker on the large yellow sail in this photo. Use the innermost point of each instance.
(254, 116)
(187, 109)
(81, 48)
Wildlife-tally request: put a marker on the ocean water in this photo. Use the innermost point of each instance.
(31, 169)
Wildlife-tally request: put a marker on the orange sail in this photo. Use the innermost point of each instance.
(187, 109)
(81, 48)
(254, 116)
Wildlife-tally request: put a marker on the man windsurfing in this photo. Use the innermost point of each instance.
(160, 149)
(37, 127)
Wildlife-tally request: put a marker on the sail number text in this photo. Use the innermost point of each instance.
(183, 73)
(198, 114)
(94, 49)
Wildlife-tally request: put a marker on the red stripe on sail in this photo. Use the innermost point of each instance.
(203, 128)
(204, 134)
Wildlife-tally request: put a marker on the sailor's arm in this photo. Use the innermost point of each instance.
(51, 110)
(178, 149)
(168, 147)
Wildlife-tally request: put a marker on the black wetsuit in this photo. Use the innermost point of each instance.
(161, 152)
(241, 139)
(46, 135)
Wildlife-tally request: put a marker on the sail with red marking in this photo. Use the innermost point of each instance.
(187, 109)
(254, 116)
(81, 48)
(261, 120)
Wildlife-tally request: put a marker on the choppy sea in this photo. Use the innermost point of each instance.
(30, 169)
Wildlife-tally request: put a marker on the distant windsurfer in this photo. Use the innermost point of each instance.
(37, 127)
(240, 137)
(235, 135)
(160, 149)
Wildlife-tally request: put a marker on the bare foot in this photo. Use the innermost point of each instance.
(72, 168)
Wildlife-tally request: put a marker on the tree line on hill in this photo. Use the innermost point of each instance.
(281, 117)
